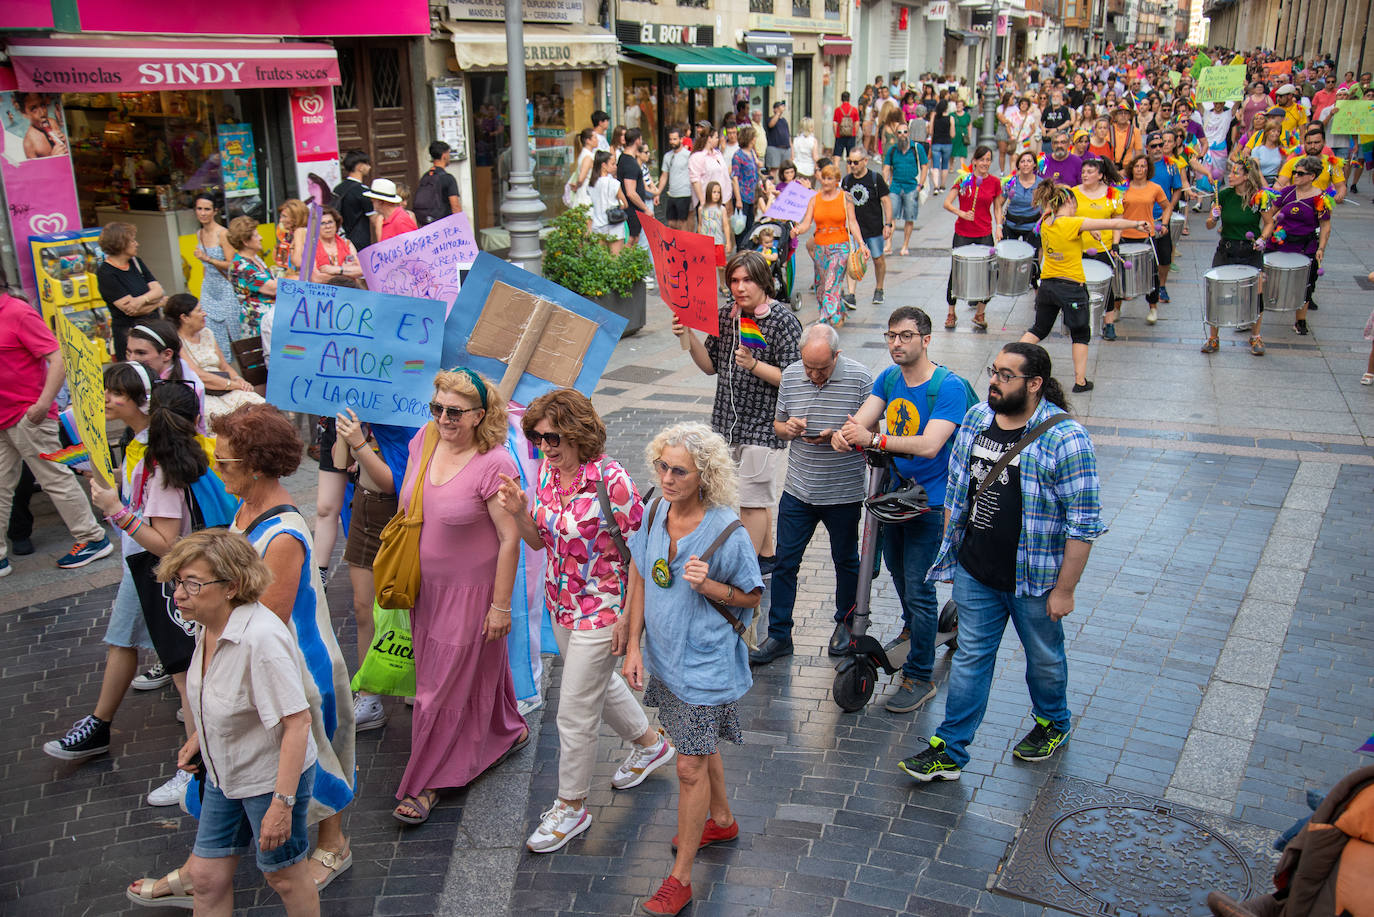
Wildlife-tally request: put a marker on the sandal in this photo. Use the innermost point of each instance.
(335, 864)
(980, 322)
(951, 321)
(524, 740)
(422, 804)
(1211, 345)
(1257, 346)
(180, 896)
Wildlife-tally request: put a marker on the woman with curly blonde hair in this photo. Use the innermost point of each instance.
(692, 614)
(465, 717)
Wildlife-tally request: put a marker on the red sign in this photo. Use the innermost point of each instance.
(1278, 68)
(685, 265)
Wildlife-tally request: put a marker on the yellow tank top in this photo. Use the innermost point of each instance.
(1106, 207)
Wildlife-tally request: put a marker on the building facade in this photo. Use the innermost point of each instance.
(1297, 29)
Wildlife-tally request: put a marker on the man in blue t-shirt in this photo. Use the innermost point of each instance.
(1166, 175)
(920, 439)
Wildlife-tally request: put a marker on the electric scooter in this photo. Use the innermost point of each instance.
(856, 673)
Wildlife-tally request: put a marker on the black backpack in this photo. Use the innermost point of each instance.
(429, 204)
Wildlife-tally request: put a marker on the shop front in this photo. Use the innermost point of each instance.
(565, 68)
(693, 74)
(651, 96)
(132, 130)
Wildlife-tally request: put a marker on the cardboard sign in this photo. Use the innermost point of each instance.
(685, 265)
(336, 347)
(564, 338)
(423, 263)
(86, 381)
(1220, 84)
(790, 203)
(1353, 117)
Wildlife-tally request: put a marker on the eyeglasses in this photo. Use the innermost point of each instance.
(553, 439)
(1303, 172)
(191, 586)
(438, 410)
(906, 337)
(1155, 146)
(663, 468)
(1003, 375)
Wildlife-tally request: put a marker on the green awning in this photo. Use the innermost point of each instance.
(710, 68)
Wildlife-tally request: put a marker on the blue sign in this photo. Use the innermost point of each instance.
(337, 347)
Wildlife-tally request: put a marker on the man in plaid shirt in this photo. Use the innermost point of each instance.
(1017, 553)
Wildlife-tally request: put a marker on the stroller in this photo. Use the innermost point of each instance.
(782, 252)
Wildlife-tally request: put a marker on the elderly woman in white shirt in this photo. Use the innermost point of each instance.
(252, 740)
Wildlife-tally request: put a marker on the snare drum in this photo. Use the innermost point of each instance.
(973, 273)
(1015, 261)
(1231, 297)
(1139, 278)
(1285, 281)
(1176, 228)
(1098, 278)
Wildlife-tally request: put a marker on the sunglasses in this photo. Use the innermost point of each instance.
(553, 439)
(663, 468)
(856, 162)
(1302, 172)
(438, 410)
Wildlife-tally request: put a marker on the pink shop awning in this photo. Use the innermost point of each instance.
(92, 65)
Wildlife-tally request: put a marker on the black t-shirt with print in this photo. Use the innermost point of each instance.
(868, 193)
(1055, 118)
(993, 532)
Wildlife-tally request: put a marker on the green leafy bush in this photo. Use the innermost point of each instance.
(578, 259)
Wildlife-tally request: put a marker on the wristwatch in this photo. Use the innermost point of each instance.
(289, 800)
(877, 437)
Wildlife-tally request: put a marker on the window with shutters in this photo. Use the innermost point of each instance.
(761, 6)
(801, 9)
(832, 9)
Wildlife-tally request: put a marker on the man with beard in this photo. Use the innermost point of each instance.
(922, 412)
(1015, 547)
(1062, 166)
(905, 168)
(1056, 117)
(676, 182)
(873, 211)
(1314, 144)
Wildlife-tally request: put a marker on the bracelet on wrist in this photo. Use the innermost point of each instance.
(495, 607)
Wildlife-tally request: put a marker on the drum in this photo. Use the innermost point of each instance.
(1015, 261)
(1205, 200)
(1232, 296)
(1096, 305)
(974, 273)
(1098, 278)
(1285, 281)
(1139, 278)
(1176, 228)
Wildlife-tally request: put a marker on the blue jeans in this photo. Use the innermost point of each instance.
(796, 524)
(941, 154)
(983, 615)
(909, 550)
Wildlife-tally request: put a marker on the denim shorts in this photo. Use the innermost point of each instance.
(905, 206)
(229, 827)
(940, 154)
(875, 244)
(126, 626)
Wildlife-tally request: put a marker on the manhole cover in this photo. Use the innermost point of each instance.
(1099, 851)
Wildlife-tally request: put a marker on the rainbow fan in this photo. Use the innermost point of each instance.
(76, 457)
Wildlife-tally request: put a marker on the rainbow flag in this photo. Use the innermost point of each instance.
(76, 457)
(293, 351)
(750, 335)
(414, 366)
(1368, 747)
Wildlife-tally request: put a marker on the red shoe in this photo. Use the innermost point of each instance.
(715, 834)
(671, 897)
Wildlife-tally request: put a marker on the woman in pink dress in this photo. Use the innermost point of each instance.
(465, 717)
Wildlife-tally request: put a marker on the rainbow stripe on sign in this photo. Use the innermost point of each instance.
(750, 335)
(414, 366)
(293, 351)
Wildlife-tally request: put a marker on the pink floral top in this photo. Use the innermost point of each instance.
(585, 578)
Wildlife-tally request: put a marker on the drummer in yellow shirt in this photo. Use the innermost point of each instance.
(1063, 290)
(1099, 198)
(1314, 144)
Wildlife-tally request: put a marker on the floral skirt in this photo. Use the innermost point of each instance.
(694, 730)
(831, 261)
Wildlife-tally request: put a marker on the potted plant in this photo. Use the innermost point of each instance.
(578, 259)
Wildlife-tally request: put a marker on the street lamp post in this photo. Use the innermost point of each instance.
(990, 85)
(522, 208)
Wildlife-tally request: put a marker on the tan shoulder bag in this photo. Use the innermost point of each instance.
(396, 569)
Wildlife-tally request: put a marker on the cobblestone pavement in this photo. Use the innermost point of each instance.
(1218, 658)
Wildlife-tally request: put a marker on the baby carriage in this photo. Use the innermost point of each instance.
(774, 239)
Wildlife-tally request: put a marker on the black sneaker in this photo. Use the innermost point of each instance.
(1041, 742)
(850, 303)
(22, 547)
(766, 565)
(1312, 304)
(932, 764)
(877, 297)
(86, 739)
(1081, 387)
(152, 679)
(1300, 326)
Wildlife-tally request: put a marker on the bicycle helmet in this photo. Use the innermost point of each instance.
(901, 505)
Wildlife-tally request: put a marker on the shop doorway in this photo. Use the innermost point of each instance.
(373, 106)
(800, 104)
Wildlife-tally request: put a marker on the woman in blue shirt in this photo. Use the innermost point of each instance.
(1020, 215)
(698, 667)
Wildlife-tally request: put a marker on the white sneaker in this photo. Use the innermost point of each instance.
(152, 679)
(1153, 317)
(169, 794)
(368, 713)
(181, 715)
(557, 826)
(642, 762)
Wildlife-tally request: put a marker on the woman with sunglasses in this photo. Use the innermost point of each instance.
(465, 718)
(1241, 217)
(697, 663)
(1300, 221)
(586, 576)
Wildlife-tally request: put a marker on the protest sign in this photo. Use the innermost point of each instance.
(1353, 117)
(423, 263)
(1220, 84)
(685, 265)
(528, 332)
(790, 203)
(1175, 77)
(338, 347)
(1278, 68)
(84, 359)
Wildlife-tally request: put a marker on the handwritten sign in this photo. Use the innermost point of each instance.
(1175, 77)
(424, 263)
(790, 203)
(86, 382)
(336, 347)
(685, 265)
(1353, 117)
(1221, 84)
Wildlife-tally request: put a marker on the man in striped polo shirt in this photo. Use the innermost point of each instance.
(816, 395)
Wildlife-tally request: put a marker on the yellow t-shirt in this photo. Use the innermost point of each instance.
(1106, 207)
(1294, 117)
(1061, 241)
(1331, 174)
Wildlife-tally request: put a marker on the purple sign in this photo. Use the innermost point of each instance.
(37, 169)
(423, 263)
(790, 203)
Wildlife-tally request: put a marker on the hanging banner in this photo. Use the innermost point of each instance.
(423, 263)
(685, 266)
(85, 361)
(315, 142)
(336, 347)
(36, 166)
